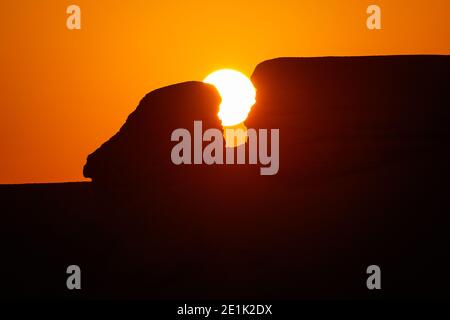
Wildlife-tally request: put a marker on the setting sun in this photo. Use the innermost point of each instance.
(238, 95)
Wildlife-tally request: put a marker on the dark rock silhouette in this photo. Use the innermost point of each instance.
(140, 151)
(343, 114)
(363, 180)
(336, 115)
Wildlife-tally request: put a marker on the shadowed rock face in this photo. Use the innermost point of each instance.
(336, 115)
(140, 151)
(364, 171)
(339, 115)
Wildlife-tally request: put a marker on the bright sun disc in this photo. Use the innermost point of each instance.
(238, 95)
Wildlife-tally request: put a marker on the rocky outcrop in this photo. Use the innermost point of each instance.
(336, 115)
(339, 115)
(140, 151)
(364, 172)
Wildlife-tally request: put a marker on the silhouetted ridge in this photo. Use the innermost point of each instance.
(343, 96)
(141, 148)
(343, 114)
(364, 174)
(336, 115)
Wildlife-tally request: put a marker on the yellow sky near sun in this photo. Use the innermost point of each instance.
(63, 93)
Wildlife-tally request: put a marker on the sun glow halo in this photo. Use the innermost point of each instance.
(238, 95)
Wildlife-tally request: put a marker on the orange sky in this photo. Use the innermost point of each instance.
(65, 92)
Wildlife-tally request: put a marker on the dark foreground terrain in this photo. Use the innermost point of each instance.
(364, 179)
(308, 242)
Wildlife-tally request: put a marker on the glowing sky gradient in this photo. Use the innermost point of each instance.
(63, 93)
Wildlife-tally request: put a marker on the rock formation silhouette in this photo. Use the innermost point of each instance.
(338, 115)
(363, 180)
(140, 151)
